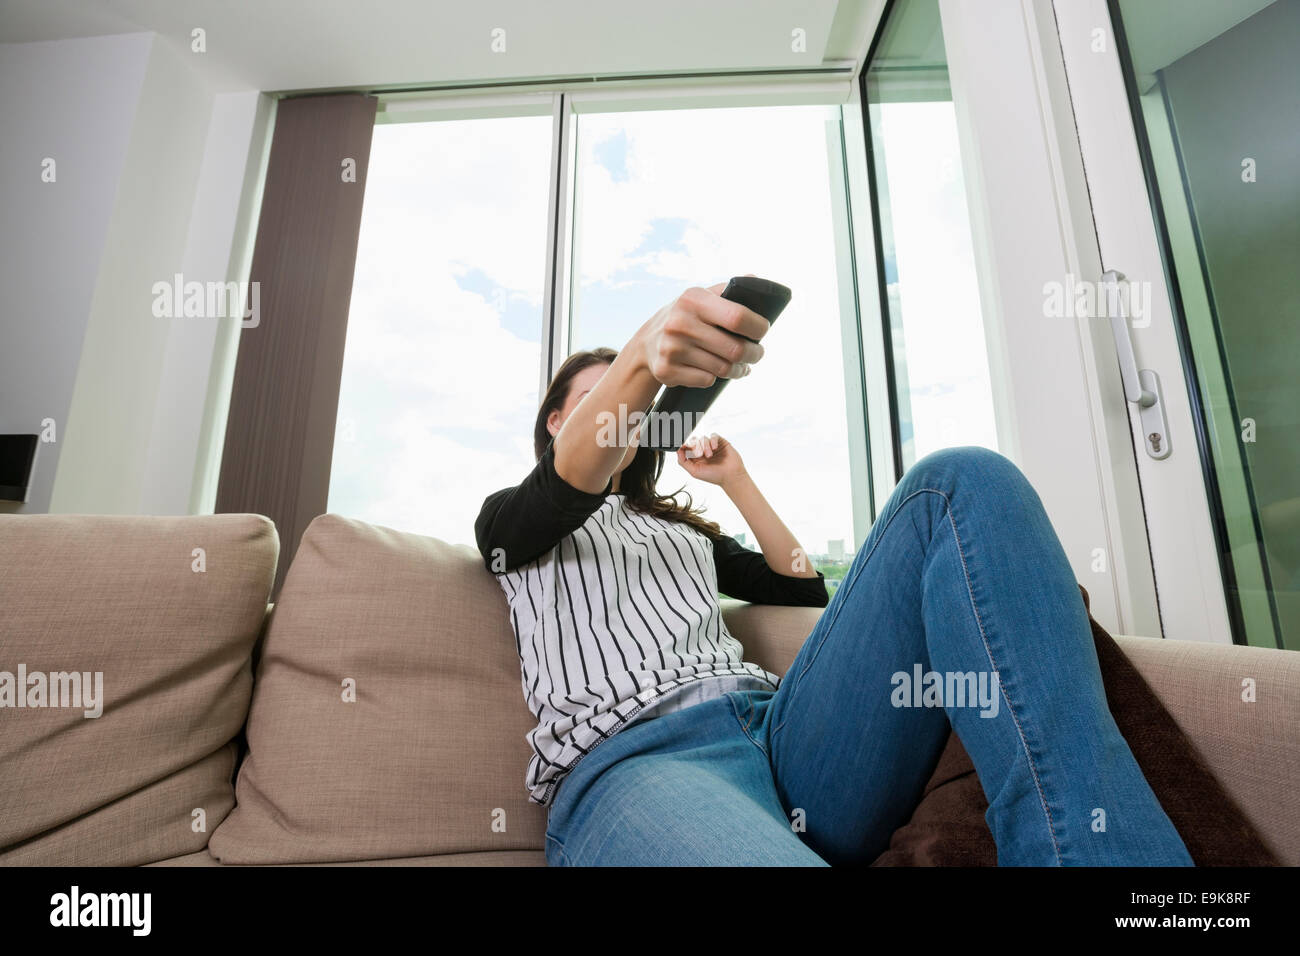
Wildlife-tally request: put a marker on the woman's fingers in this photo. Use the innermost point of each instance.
(686, 356)
(722, 313)
(674, 373)
(691, 330)
(705, 446)
(701, 337)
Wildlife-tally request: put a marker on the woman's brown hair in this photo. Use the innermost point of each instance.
(639, 480)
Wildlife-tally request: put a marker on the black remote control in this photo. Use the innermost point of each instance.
(680, 407)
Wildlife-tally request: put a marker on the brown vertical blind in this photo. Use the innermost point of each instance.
(280, 430)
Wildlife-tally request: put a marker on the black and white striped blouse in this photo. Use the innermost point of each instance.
(616, 613)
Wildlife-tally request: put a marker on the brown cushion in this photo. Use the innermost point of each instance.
(948, 826)
(119, 596)
(431, 756)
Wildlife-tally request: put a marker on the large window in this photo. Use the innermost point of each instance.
(1214, 98)
(490, 248)
(674, 198)
(440, 369)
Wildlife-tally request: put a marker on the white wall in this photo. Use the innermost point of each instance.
(156, 176)
(75, 102)
(189, 426)
(114, 400)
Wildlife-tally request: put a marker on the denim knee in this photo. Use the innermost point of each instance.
(950, 468)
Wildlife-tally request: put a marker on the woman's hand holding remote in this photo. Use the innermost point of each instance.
(687, 342)
(693, 341)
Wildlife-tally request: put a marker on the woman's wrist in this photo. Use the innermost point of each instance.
(735, 484)
(585, 458)
(635, 366)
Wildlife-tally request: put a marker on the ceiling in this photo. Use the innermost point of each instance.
(1162, 31)
(297, 45)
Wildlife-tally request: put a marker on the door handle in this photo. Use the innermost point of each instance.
(1141, 386)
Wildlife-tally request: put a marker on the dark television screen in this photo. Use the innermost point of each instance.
(17, 452)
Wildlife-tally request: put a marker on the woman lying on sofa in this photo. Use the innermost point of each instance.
(657, 744)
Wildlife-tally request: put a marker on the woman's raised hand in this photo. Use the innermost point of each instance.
(694, 340)
(711, 458)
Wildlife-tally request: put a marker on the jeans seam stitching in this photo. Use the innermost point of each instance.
(845, 588)
(1020, 732)
(952, 521)
(559, 848)
(744, 725)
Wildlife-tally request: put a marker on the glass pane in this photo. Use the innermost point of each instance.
(941, 372)
(439, 386)
(670, 199)
(1217, 88)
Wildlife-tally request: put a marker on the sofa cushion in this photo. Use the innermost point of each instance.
(948, 827)
(484, 858)
(169, 632)
(429, 758)
(1240, 707)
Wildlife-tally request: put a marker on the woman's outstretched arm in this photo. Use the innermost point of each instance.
(684, 343)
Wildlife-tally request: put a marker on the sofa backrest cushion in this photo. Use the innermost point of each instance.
(1240, 708)
(388, 719)
(159, 614)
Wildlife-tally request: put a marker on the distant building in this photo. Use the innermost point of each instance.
(743, 539)
(835, 549)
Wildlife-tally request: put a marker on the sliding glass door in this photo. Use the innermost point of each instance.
(1216, 94)
(1194, 198)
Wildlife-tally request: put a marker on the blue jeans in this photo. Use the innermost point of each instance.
(960, 610)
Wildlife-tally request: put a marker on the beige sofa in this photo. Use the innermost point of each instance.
(386, 723)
